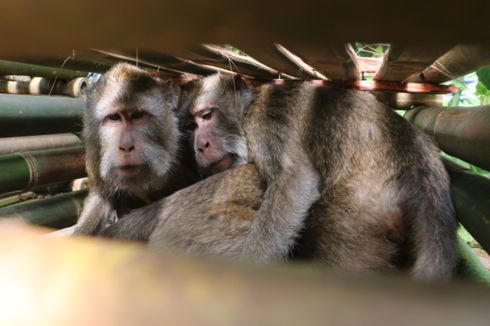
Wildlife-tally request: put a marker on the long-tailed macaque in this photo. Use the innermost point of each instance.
(134, 152)
(363, 188)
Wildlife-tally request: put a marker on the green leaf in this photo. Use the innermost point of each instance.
(484, 76)
(482, 90)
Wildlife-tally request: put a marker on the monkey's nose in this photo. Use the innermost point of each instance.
(201, 148)
(127, 148)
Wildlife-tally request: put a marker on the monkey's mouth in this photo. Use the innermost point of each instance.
(222, 164)
(129, 169)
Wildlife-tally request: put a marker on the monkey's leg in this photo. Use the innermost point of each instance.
(347, 233)
(433, 223)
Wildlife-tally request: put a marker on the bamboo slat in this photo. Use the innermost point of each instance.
(459, 61)
(337, 61)
(242, 64)
(300, 63)
(270, 56)
(400, 63)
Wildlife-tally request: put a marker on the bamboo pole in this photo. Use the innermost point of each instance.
(39, 85)
(460, 60)
(470, 194)
(22, 115)
(469, 265)
(22, 171)
(10, 145)
(18, 68)
(58, 211)
(460, 132)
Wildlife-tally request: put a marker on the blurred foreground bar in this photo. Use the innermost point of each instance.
(61, 26)
(75, 281)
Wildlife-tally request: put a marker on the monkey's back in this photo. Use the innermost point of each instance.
(375, 171)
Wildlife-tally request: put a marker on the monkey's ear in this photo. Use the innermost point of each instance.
(240, 83)
(171, 92)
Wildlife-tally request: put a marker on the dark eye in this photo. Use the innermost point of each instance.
(114, 117)
(137, 114)
(208, 114)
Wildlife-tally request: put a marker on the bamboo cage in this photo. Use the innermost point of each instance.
(41, 152)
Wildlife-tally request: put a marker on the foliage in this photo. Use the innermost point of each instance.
(474, 89)
(373, 50)
(484, 76)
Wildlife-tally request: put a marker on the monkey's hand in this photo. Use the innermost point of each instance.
(281, 215)
(137, 225)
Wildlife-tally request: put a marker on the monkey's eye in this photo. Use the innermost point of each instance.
(114, 117)
(208, 114)
(137, 115)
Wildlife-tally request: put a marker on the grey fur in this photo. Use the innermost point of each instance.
(377, 193)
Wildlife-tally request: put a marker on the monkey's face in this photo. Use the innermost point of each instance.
(214, 126)
(138, 139)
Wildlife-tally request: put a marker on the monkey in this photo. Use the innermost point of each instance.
(134, 151)
(350, 183)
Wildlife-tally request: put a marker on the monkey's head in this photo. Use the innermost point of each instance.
(130, 131)
(213, 122)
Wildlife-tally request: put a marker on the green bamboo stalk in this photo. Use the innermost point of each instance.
(469, 265)
(11, 200)
(470, 194)
(22, 115)
(18, 68)
(22, 171)
(58, 211)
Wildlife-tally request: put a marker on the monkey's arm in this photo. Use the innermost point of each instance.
(281, 216)
(95, 210)
(211, 217)
(275, 147)
(136, 225)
